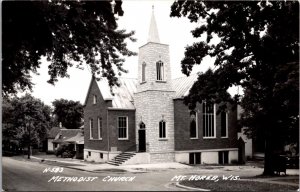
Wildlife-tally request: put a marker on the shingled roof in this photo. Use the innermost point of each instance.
(65, 134)
(53, 132)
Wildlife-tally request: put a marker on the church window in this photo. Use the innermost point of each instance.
(99, 128)
(193, 125)
(209, 125)
(162, 129)
(144, 72)
(123, 127)
(142, 125)
(160, 70)
(224, 124)
(91, 128)
(94, 99)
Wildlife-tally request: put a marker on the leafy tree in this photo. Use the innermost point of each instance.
(25, 115)
(68, 112)
(64, 32)
(258, 49)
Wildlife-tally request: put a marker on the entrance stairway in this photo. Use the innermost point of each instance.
(121, 158)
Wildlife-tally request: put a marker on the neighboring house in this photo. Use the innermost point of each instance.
(145, 121)
(50, 137)
(73, 137)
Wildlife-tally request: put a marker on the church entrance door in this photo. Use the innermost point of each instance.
(142, 138)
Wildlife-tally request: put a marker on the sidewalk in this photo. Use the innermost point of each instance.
(94, 167)
(98, 167)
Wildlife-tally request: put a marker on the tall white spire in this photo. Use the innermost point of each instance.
(153, 32)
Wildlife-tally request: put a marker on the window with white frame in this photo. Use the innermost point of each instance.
(91, 128)
(94, 99)
(193, 125)
(144, 72)
(99, 128)
(160, 71)
(162, 129)
(123, 127)
(224, 124)
(209, 121)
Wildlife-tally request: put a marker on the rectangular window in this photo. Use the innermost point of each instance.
(91, 128)
(223, 157)
(224, 124)
(195, 158)
(209, 125)
(123, 127)
(101, 155)
(99, 128)
(193, 125)
(89, 153)
(162, 129)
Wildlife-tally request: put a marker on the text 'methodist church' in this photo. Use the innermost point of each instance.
(145, 121)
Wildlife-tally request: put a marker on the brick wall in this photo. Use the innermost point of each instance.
(94, 111)
(109, 123)
(182, 130)
(121, 145)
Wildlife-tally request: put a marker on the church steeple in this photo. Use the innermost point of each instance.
(153, 32)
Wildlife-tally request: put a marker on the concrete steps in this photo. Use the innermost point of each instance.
(121, 158)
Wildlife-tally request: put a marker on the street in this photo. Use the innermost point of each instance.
(22, 175)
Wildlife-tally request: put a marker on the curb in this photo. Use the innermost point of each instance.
(190, 188)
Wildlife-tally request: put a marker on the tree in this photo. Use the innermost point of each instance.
(26, 120)
(67, 33)
(258, 49)
(68, 112)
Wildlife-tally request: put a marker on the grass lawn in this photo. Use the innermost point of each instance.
(238, 185)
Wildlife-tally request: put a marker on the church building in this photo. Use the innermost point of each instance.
(146, 121)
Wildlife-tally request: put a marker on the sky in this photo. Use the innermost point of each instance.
(137, 14)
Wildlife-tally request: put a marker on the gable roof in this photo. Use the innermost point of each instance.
(65, 134)
(123, 95)
(53, 132)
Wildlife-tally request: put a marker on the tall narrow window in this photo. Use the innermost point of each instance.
(144, 72)
(208, 120)
(99, 128)
(193, 125)
(94, 99)
(224, 124)
(160, 71)
(91, 128)
(123, 127)
(162, 129)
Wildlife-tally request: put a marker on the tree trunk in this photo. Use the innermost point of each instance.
(268, 164)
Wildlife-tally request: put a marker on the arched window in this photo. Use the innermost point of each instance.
(144, 72)
(94, 99)
(142, 125)
(162, 129)
(160, 71)
(193, 125)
